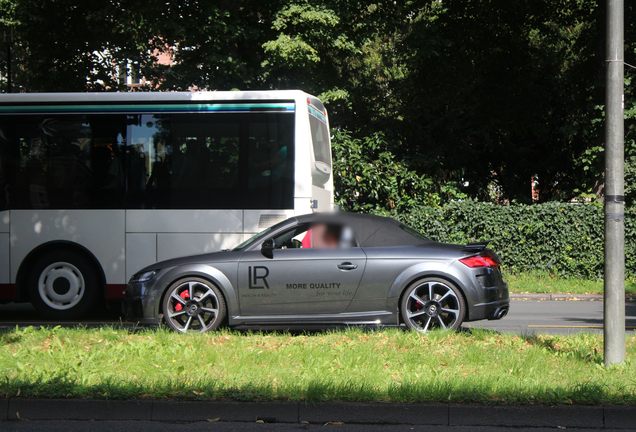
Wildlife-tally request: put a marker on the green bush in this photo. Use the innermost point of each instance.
(562, 239)
(369, 177)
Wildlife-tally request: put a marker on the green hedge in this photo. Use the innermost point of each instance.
(562, 239)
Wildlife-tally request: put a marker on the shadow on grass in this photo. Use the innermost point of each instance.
(582, 347)
(323, 390)
(574, 350)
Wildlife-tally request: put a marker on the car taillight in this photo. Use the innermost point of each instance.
(480, 261)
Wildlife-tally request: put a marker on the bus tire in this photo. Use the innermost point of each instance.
(63, 284)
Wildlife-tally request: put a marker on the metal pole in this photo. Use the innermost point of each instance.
(614, 294)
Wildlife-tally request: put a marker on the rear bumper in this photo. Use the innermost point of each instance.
(494, 299)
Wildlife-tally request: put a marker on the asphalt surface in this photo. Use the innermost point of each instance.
(555, 317)
(136, 426)
(547, 317)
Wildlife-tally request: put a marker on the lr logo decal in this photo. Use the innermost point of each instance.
(257, 275)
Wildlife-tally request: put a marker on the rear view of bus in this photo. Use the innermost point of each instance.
(94, 187)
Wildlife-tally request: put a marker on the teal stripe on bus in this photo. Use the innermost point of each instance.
(318, 114)
(288, 107)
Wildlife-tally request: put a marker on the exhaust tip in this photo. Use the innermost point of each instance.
(499, 313)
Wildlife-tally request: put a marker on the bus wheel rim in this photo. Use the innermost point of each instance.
(61, 286)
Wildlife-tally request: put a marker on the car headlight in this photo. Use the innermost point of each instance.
(143, 277)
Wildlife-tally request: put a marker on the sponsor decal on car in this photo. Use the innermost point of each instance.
(257, 274)
(334, 285)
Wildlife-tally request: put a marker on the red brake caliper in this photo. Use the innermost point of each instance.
(184, 295)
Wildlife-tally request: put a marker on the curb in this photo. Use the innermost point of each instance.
(564, 297)
(617, 417)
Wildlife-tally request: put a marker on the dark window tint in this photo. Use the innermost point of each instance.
(145, 161)
(184, 161)
(72, 162)
(270, 161)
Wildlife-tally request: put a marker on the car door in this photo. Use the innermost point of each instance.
(299, 281)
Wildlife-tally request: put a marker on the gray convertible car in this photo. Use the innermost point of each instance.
(322, 269)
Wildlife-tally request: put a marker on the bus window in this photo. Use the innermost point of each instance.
(149, 161)
(183, 161)
(321, 171)
(61, 162)
(270, 156)
(320, 138)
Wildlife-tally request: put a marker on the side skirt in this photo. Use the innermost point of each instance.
(371, 318)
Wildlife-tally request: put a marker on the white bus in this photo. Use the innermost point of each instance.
(94, 187)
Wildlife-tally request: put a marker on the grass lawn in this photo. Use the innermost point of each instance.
(542, 283)
(353, 364)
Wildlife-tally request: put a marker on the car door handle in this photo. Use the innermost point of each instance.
(347, 266)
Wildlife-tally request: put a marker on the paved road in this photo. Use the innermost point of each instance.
(137, 426)
(556, 317)
(553, 317)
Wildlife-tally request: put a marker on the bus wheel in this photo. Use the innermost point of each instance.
(63, 285)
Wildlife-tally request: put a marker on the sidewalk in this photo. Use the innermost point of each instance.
(617, 417)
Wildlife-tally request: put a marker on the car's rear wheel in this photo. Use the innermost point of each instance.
(193, 305)
(433, 303)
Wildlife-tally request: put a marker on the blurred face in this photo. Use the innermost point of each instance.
(325, 237)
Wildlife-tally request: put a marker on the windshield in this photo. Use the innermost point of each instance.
(263, 234)
(320, 136)
(254, 238)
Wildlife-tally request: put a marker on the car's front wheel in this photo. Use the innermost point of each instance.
(193, 305)
(433, 303)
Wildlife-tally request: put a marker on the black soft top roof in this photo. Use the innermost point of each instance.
(370, 230)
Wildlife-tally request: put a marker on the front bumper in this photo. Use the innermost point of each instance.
(140, 304)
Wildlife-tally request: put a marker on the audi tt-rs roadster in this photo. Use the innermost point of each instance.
(319, 269)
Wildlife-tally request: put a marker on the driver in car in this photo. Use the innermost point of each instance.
(322, 236)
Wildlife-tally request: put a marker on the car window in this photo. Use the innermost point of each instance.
(316, 236)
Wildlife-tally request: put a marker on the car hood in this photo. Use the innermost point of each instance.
(206, 258)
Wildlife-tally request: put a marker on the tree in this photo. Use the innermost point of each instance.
(65, 45)
(499, 92)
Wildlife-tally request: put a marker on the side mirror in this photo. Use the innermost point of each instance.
(267, 248)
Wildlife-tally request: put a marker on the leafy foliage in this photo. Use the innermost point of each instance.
(65, 45)
(499, 93)
(561, 239)
(367, 176)
(630, 155)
